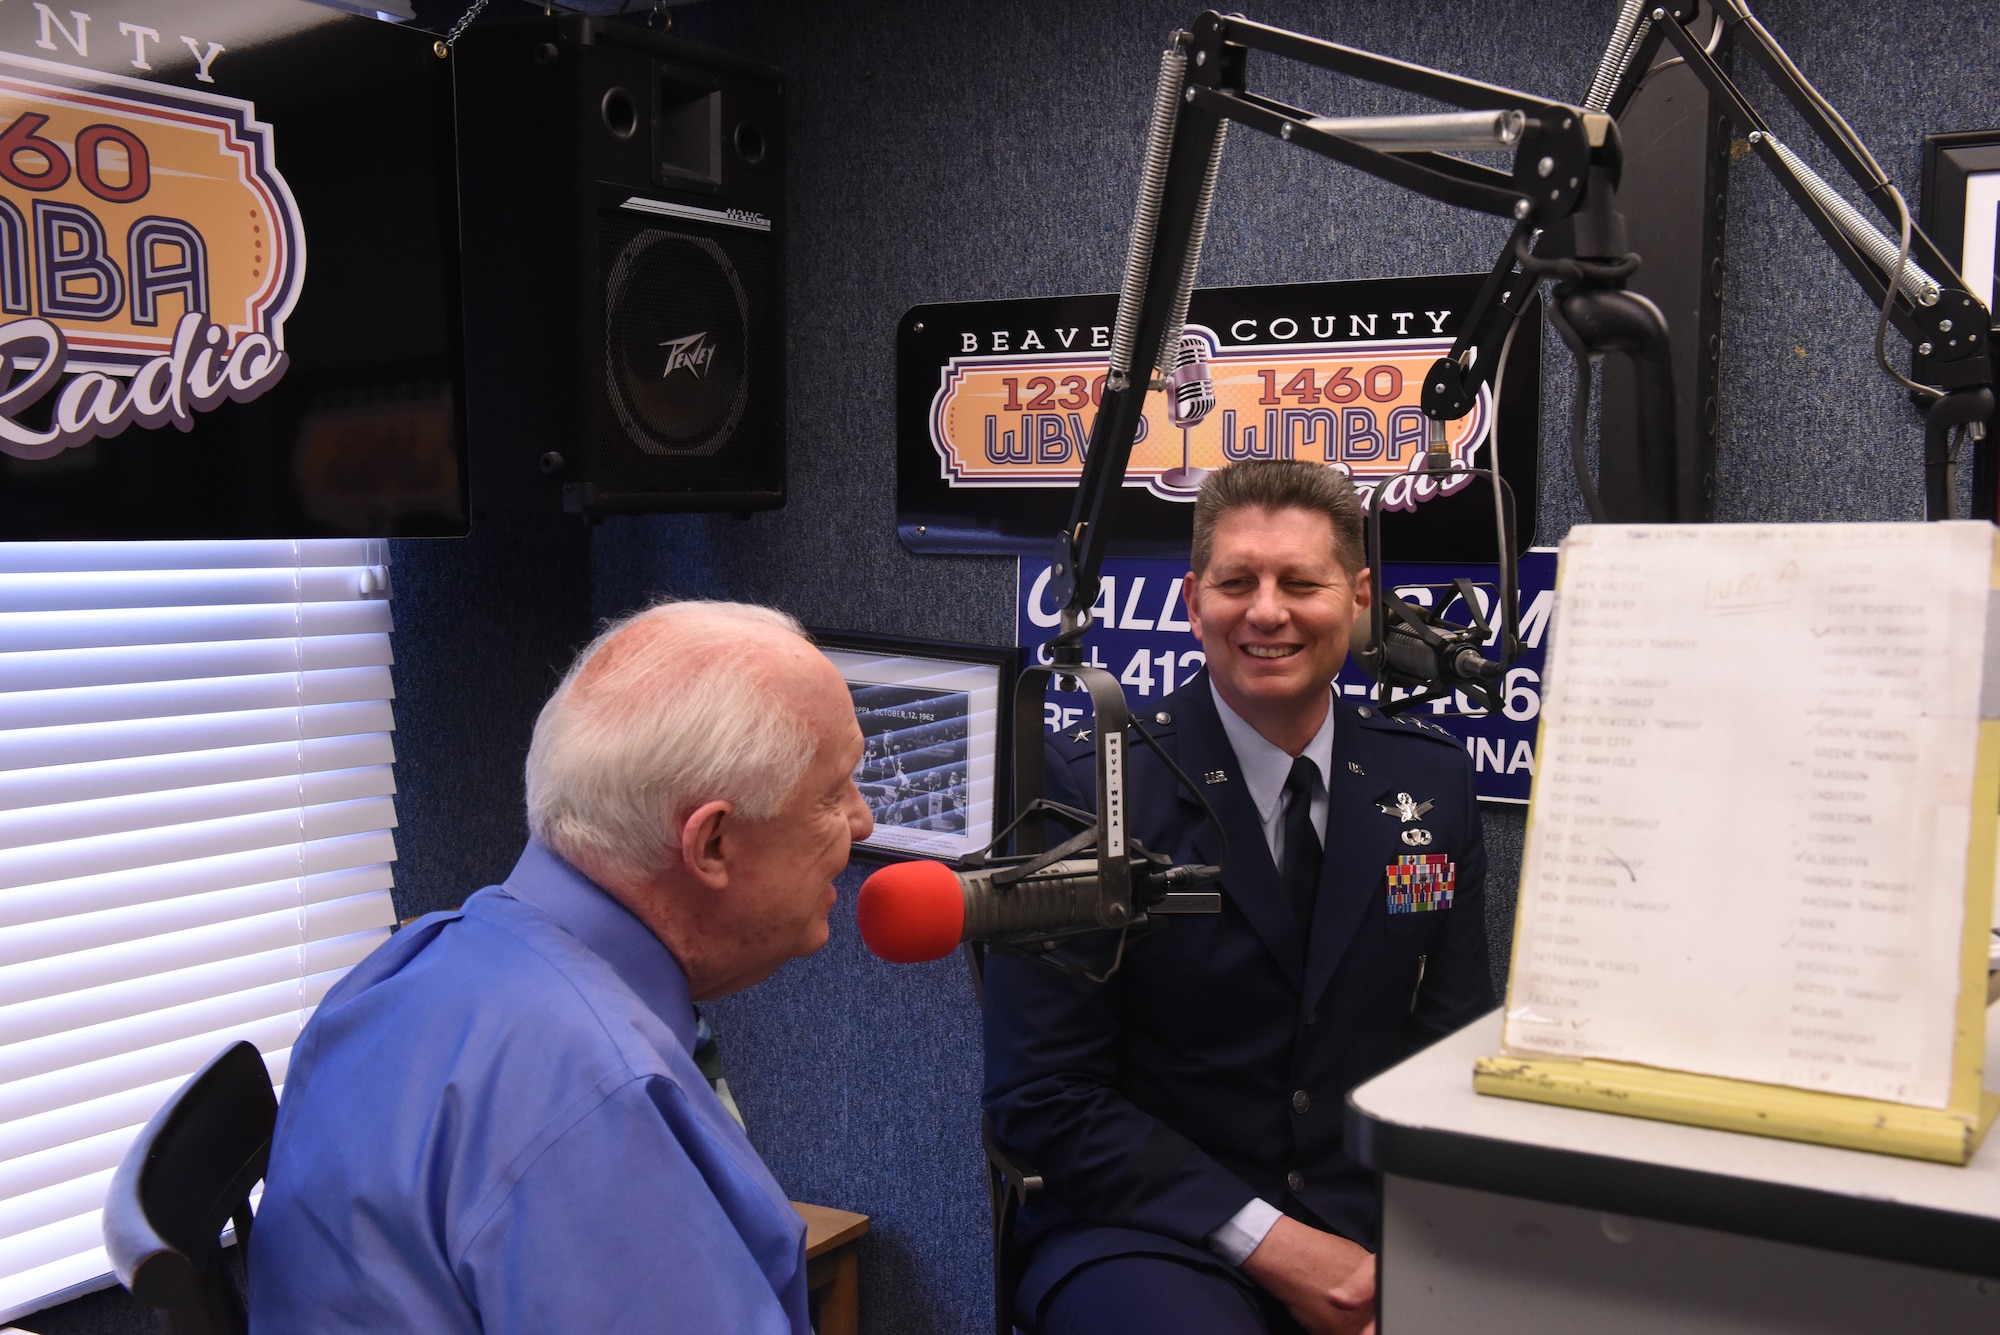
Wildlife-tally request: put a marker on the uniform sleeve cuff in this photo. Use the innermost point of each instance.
(1239, 1236)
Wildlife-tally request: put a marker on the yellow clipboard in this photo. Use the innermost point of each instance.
(1951, 1134)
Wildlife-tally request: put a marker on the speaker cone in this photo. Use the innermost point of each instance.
(677, 323)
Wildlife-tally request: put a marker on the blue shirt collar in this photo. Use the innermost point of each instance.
(1266, 765)
(608, 930)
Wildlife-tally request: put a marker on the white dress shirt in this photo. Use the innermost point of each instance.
(1264, 767)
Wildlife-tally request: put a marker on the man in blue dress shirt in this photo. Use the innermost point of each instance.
(1186, 1114)
(495, 1122)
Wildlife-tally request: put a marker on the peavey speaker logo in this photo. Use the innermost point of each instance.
(693, 354)
(149, 255)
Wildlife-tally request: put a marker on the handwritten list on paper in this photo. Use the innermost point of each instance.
(1748, 843)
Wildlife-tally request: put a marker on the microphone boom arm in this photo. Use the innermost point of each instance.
(1563, 158)
(1931, 306)
(1566, 165)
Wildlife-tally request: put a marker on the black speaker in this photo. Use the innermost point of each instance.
(622, 232)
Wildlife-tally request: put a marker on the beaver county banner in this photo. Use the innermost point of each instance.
(996, 399)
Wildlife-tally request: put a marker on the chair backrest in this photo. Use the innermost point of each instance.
(189, 1173)
(1009, 1185)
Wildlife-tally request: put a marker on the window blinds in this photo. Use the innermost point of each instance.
(195, 817)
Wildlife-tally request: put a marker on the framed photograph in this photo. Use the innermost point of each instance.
(935, 719)
(1961, 204)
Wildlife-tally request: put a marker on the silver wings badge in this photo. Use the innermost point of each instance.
(1407, 808)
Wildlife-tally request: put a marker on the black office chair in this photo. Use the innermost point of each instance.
(189, 1173)
(1009, 1185)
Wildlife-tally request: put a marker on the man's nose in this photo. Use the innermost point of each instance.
(1266, 607)
(860, 820)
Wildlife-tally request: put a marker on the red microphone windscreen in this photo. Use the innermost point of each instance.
(911, 912)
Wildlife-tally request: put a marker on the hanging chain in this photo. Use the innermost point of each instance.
(443, 48)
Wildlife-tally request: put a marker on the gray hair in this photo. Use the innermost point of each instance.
(1280, 484)
(683, 714)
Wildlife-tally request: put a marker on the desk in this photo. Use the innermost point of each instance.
(833, 1275)
(1503, 1216)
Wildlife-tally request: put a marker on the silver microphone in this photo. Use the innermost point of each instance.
(1190, 388)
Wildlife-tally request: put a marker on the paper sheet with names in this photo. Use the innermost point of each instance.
(1748, 844)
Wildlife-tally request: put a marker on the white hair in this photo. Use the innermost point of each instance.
(687, 712)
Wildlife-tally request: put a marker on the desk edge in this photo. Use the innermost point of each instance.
(853, 1226)
(1856, 1225)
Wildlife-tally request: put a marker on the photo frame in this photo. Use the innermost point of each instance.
(1961, 205)
(935, 721)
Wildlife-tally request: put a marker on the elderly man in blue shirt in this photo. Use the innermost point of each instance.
(495, 1122)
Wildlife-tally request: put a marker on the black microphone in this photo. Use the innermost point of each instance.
(1454, 663)
(1407, 653)
(910, 912)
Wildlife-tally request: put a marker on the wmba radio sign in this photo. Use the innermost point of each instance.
(150, 253)
(996, 402)
(1023, 418)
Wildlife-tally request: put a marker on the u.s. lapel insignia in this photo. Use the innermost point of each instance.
(1355, 766)
(1407, 808)
(1216, 776)
(1417, 837)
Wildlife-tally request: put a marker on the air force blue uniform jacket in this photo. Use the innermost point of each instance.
(1213, 1068)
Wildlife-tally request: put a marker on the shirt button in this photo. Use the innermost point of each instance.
(1301, 1101)
(1312, 1017)
(1295, 1180)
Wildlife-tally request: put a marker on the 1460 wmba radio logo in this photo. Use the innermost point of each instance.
(149, 255)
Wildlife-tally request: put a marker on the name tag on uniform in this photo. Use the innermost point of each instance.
(1421, 883)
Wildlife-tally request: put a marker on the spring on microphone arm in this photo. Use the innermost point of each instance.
(1184, 292)
(1146, 218)
(1626, 35)
(1914, 283)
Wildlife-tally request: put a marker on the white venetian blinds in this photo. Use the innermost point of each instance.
(195, 816)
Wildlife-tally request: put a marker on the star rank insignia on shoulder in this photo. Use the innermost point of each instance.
(1080, 736)
(1406, 808)
(1421, 727)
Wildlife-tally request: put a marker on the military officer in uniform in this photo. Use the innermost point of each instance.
(1186, 1113)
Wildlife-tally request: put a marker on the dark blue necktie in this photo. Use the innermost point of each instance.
(1302, 850)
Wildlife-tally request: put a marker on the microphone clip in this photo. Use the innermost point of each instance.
(1133, 884)
(1414, 647)
(1109, 720)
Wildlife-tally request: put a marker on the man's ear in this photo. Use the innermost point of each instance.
(1364, 590)
(702, 843)
(1188, 586)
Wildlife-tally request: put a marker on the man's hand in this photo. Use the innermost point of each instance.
(1325, 1281)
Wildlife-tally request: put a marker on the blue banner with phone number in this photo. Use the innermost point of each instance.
(1141, 635)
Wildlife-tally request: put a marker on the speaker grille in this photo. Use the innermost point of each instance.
(691, 389)
(676, 343)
